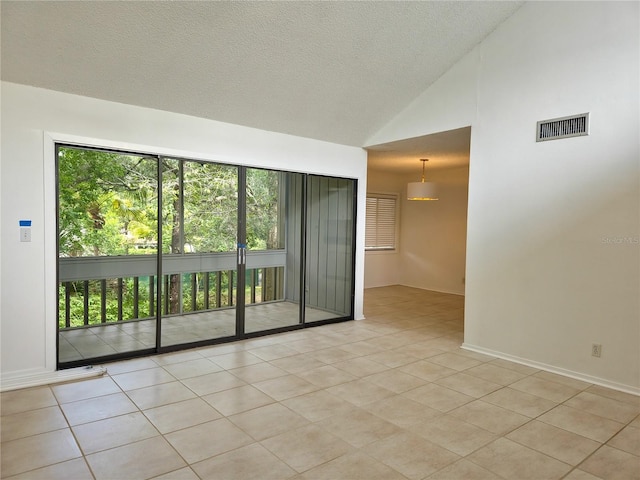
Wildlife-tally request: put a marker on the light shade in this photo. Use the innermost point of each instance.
(422, 191)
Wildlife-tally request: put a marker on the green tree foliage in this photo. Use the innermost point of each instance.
(263, 210)
(103, 198)
(108, 206)
(210, 207)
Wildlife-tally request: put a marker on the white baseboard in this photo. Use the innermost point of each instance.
(35, 378)
(550, 368)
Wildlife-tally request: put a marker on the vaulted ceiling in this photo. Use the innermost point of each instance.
(336, 71)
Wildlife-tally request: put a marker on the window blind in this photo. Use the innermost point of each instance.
(380, 231)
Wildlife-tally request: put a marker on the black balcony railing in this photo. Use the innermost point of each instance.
(100, 290)
(92, 302)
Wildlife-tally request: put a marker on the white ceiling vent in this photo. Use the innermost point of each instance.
(573, 126)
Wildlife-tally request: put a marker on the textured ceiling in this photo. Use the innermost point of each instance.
(334, 71)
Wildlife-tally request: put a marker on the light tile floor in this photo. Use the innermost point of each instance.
(390, 397)
(113, 338)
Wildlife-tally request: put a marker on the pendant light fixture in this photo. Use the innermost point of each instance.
(422, 190)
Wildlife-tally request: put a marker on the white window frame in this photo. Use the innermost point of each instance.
(395, 220)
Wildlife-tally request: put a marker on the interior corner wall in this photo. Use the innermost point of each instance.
(553, 232)
(32, 118)
(433, 234)
(448, 104)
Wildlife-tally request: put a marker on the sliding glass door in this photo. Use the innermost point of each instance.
(158, 253)
(108, 288)
(273, 228)
(329, 248)
(199, 263)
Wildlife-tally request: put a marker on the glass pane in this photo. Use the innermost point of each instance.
(329, 272)
(210, 207)
(107, 245)
(107, 204)
(266, 198)
(200, 218)
(273, 249)
(171, 206)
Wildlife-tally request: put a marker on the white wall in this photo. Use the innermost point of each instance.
(449, 103)
(553, 242)
(432, 235)
(33, 118)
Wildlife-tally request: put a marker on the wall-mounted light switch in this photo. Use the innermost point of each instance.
(25, 234)
(25, 230)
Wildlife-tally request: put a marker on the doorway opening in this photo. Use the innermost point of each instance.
(428, 251)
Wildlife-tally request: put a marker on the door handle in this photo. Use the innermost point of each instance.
(242, 254)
